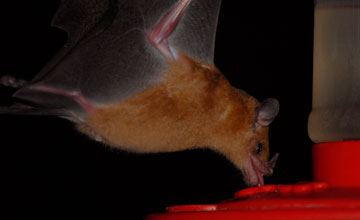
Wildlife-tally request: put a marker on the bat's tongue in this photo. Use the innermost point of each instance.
(260, 176)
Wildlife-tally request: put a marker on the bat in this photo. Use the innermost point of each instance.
(138, 75)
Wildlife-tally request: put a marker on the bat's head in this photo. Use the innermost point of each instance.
(255, 165)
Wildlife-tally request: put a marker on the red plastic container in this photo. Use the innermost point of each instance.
(334, 194)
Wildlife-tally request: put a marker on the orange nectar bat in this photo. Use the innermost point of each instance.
(138, 75)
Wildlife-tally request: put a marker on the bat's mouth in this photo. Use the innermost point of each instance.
(256, 168)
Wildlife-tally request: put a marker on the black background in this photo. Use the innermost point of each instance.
(263, 47)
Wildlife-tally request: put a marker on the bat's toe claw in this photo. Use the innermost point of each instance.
(10, 81)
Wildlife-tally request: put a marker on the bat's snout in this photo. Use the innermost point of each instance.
(255, 168)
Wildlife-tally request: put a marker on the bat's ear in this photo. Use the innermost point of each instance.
(267, 111)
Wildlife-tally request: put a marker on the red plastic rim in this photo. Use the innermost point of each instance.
(301, 201)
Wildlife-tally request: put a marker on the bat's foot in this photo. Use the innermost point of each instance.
(10, 81)
(158, 36)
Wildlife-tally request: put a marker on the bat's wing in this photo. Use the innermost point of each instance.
(108, 56)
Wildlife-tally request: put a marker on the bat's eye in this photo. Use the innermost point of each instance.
(259, 148)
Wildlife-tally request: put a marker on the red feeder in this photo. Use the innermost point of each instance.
(335, 194)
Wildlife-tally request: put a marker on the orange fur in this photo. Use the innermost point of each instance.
(193, 106)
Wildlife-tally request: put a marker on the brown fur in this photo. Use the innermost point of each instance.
(193, 106)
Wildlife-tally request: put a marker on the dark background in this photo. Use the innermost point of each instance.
(263, 47)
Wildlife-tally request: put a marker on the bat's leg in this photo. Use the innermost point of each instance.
(10, 81)
(77, 96)
(158, 36)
